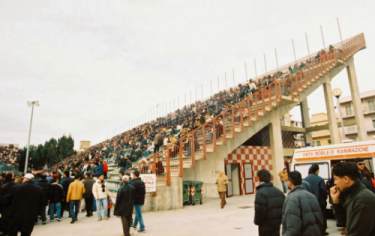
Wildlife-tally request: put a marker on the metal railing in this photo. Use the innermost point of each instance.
(204, 139)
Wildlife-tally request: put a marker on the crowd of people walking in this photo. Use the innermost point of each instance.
(25, 202)
(303, 210)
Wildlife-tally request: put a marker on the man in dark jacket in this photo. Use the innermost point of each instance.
(26, 204)
(55, 198)
(139, 200)
(65, 182)
(268, 206)
(44, 185)
(124, 204)
(88, 182)
(302, 215)
(318, 188)
(358, 201)
(5, 200)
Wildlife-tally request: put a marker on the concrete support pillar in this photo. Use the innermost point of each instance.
(332, 121)
(306, 120)
(356, 99)
(277, 148)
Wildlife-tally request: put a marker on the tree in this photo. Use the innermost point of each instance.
(52, 152)
(65, 147)
(38, 159)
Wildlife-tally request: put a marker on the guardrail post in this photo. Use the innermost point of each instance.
(153, 164)
(214, 134)
(181, 159)
(233, 123)
(241, 117)
(224, 131)
(204, 142)
(192, 147)
(168, 167)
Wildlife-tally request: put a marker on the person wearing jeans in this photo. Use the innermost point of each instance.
(100, 192)
(74, 206)
(55, 198)
(74, 197)
(138, 218)
(139, 200)
(88, 182)
(54, 207)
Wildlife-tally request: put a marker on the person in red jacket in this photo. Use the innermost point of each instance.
(105, 169)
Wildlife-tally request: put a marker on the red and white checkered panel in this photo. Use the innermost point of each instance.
(258, 156)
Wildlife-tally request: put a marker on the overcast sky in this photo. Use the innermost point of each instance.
(99, 66)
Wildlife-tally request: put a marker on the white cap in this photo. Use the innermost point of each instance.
(29, 176)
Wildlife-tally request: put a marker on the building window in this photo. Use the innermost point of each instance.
(373, 124)
(317, 143)
(371, 104)
(329, 141)
(348, 110)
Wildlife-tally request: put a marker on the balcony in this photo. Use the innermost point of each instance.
(350, 130)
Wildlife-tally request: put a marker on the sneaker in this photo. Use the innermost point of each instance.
(58, 219)
(141, 230)
(73, 221)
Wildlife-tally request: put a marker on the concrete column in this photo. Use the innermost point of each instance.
(332, 121)
(277, 148)
(356, 99)
(306, 120)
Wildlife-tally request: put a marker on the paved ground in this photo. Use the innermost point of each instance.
(204, 220)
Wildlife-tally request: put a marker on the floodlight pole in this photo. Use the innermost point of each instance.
(32, 104)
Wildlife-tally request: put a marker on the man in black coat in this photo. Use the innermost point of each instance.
(26, 204)
(358, 201)
(44, 185)
(88, 182)
(268, 206)
(65, 182)
(124, 204)
(302, 215)
(318, 188)
(139, 200)
(55, 198)
(5, 200)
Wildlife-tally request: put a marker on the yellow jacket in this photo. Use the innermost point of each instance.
(222, 182)
(283, 175)
(75, 191)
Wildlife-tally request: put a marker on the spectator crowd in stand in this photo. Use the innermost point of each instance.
(9, 154)
(142, 141)
(70, 182)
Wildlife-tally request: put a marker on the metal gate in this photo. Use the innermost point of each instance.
(228, 172)
(249, 178)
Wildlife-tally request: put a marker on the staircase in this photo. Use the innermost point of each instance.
(241, 121)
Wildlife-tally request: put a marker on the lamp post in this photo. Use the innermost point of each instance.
(32, 104)
(337, 93)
